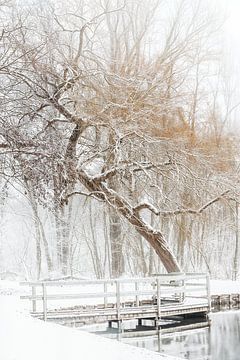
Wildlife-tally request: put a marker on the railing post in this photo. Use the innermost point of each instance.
(34, 303)
(158, 299)
(44, 293)
(137, 296)
(183, 294)
(118, 301)
(208, 292)
(105, 292)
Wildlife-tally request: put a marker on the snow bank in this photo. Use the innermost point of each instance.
(25, 338)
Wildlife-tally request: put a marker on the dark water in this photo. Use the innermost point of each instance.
(220, 341)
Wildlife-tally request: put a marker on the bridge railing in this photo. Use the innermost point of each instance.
(157, 291)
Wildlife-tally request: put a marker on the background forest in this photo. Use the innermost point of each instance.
(118, 151)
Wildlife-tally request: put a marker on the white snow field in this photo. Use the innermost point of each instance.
(25, 338)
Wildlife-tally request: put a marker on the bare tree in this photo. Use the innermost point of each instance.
(105, 117)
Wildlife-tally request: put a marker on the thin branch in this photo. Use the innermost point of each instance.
(154, 210)
(81, 193)
(132, 167)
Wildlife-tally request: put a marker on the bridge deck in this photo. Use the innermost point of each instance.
(102, 315)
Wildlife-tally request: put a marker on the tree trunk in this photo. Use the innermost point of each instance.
(38, 251)
(143, 257)
(40, 234)
(46, 247)
(58, 233)
(66, 240)
(95, 250)
(154, 237)
(115, 226)
(151, 261)
(116, 242)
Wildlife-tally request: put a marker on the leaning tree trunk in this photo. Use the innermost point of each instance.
(155, 238)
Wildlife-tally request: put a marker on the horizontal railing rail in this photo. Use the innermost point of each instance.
(159, 289)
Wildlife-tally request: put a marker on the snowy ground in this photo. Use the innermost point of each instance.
(25, 338)
(221, 287)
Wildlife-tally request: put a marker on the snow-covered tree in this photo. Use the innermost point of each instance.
(108, 102)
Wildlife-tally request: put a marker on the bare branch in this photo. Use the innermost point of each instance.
(154, 210)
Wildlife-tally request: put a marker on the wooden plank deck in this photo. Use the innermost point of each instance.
(102, 315)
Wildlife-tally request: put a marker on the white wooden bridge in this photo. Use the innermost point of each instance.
(91, 301)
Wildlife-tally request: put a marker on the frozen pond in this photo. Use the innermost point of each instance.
(220, 341)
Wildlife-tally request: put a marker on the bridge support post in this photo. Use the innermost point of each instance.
(157, 323)
(110, 324)
(120, 325)
(159, 341)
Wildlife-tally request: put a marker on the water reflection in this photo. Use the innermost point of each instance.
(225, 336)
(189, 345)
(220, 341)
